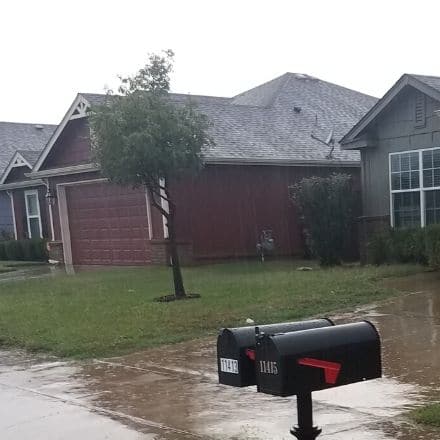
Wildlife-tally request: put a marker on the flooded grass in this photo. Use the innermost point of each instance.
(427, 415)
(112, 311)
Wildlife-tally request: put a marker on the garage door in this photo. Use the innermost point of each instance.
(108, 224)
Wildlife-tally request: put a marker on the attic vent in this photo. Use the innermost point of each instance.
(420, 110)
(297, 109)
(38, 127)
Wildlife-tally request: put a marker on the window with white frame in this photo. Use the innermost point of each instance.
(33, 214)
(415, 188)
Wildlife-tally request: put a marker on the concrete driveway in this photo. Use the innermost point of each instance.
(172, 393)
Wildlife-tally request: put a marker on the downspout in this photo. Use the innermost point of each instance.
(11, 196)
(52, 229)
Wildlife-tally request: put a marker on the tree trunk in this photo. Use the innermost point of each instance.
(179, 289)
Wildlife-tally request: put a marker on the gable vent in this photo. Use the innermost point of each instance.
(420, 110)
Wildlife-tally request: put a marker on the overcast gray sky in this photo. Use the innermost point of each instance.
(50, 50)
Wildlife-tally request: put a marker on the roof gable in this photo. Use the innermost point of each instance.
(78, 109)
(18, 160)
(22, 137)
(428, 85)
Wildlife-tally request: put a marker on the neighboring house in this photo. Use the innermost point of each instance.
(265, 140)
(30, 140)
(399, 142)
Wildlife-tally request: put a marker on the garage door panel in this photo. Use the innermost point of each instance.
(108, 224)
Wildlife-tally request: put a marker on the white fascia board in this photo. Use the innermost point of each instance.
(25, 184)
(74, 169)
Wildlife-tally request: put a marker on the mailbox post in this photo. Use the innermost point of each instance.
(305, 429)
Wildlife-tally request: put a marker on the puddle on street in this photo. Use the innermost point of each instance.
(171, 393)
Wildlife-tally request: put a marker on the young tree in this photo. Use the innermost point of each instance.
(140, 138)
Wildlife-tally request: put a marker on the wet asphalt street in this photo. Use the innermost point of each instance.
(172, 393)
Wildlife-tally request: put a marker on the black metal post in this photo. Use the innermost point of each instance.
(305, 429)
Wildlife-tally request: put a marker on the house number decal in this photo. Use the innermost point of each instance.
(268, 367)
(229, 365)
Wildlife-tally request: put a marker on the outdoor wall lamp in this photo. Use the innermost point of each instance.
(50, 197)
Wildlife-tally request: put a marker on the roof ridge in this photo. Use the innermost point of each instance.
(170, 93)
(28, 123)
(425, 76)
(286, 74)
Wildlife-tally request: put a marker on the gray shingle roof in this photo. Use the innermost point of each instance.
(30, 156)
(263, 126)
(431, 81)
(27, 138)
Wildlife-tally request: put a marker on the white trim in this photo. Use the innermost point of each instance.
(74, 169)
(421, 190)
(67, 117)
(165, 206)
(11, 196)
(64, 224)
(390, 193)
(33, 192)
(52, 229)
(24, 184)
(150, 224)
(83, 182)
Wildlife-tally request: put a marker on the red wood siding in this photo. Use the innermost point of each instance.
(108, 224)
(72, 147)
(225, 209)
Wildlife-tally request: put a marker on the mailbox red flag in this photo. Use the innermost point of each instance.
(331, 369)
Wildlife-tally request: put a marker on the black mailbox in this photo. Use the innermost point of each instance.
(301, 362)
(236, 349)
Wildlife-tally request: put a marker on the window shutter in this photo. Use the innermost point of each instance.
(420, 110)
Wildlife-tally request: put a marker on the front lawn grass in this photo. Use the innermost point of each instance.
(427, 415)
(108, 312)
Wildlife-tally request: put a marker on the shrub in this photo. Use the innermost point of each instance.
(432, 245)
(405, 246)
(14, 250)
(378, 248)
(326, 205)
(2, 251)
(29, 250)
(408, 245)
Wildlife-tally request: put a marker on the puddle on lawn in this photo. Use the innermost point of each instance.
(20, 273)
(171, 393)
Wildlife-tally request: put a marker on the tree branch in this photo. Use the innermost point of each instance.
(155, 204)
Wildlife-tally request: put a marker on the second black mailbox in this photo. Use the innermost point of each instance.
(236, 349)
(311, 360)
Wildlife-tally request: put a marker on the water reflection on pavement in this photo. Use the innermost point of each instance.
(172, 393)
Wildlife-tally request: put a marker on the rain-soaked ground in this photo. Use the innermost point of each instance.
(172, 393)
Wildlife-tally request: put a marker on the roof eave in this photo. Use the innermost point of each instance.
(22, 184)
(280, 162)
